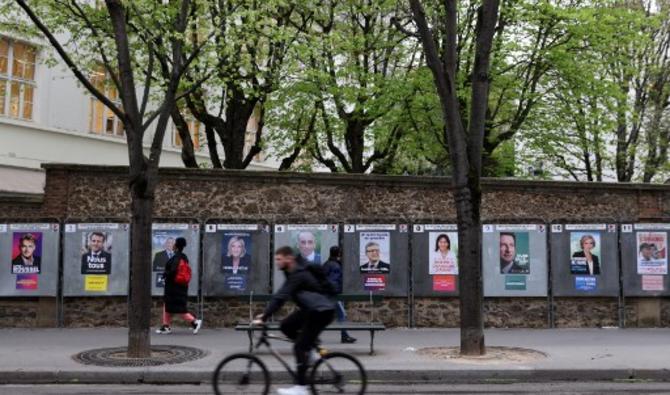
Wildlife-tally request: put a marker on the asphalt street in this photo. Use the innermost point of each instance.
(553, 388)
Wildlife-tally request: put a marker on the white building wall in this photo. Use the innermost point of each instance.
(59, 132)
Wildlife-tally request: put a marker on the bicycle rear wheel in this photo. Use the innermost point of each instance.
(338, 373)
(241, 374)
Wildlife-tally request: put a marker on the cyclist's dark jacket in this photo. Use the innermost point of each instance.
(304, 290)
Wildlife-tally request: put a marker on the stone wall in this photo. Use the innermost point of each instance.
(516, 312)
(28, 312)
(586, 312)
(436, 312)
(279, 197)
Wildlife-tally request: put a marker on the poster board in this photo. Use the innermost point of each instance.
(584, 260)
(311, 241)
(30, 255)
(236, 259)
(376, 259)
(514, 260)
(435, 260)
(163, 236)
(644, 254)
(96, 259)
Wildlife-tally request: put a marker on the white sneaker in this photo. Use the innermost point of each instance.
(164, 330)
(295, 390)
(197, 324)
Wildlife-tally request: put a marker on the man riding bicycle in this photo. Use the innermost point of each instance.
(307, 286)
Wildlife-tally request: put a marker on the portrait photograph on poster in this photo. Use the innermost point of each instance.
(162, 247)
(514, 253)
(443, 253)
(308, 244)
(375, 253)
(236, 257)
(26, 253)
(96, 249)
(585, 253)
(652, 253)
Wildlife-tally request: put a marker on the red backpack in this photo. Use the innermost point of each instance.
(183, 274)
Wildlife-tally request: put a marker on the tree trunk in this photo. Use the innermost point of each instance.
(139, 304)
(355, 143)
(236, 130)
(468, 203)
(212, 147)
(187, 148)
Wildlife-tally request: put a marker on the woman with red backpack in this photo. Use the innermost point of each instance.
(175, 299)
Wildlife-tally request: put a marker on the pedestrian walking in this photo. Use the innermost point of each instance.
(175, 298)
(333, 269)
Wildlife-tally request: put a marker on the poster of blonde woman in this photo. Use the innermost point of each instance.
(443, 253)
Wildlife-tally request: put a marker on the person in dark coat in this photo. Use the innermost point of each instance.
(333, 269)
(316, 309)
(175, 298)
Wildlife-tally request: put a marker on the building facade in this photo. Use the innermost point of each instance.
(46, 116)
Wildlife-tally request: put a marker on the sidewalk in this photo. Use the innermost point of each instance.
(44, 355)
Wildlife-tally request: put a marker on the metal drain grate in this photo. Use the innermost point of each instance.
(160, 355)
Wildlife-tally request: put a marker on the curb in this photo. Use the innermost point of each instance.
(386, 376)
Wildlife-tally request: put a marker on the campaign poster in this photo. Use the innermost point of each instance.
(586, 283)
(162, 247)
(26, 253)
(308, 245)
(585, 253)
(516, 282)
(236, 253)
(27, 282)
(160, 280)
(652, 283)
(235, 282)
(443, 253)
(96, 252)
(652, 253)
(444, 283)
(514, 253)
(236, 259)
(96, 282)
(375, 253)
(374, 282)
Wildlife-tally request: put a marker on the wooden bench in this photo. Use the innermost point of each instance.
(371, 327)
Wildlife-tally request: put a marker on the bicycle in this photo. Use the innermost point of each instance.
(331, 373)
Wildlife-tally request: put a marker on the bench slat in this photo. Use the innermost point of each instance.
(375, 326)
(371, 327)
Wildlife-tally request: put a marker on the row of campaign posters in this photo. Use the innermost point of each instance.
(376, 258)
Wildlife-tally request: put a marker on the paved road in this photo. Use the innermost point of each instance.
(582, 388)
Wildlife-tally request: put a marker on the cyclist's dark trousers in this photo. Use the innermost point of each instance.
(304, 328)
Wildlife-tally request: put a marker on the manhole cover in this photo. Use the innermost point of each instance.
(493, 355)
(160, 355)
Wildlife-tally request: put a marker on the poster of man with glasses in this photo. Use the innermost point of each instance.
(375, 252)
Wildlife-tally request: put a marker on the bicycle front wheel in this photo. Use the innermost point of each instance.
(241, 374)
(338, 373)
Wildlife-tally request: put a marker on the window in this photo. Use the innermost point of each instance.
(102, 120)
(194, 130)
(17, 79)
